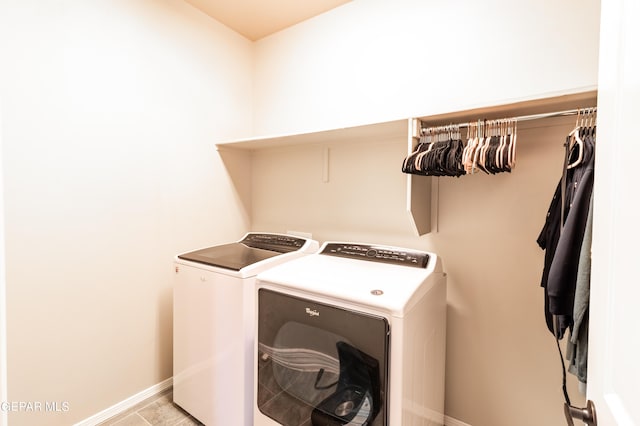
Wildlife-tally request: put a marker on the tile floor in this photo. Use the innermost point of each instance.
(156, 411)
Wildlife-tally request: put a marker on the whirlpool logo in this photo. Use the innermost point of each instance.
(312, 312)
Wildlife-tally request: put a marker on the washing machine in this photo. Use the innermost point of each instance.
(352, 335)
(214, 324)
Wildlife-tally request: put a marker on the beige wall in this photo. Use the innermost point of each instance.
(376, 60)
(3, 287)
(110, 113)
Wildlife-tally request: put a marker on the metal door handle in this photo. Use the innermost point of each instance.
(586, 415)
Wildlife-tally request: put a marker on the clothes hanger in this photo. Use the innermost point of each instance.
(489, 152)
(481, 140)
(406, 164)
(427, 161)
(482, 147)
(455, 154)
(490, 163)
(575, 136)
(592, 122)
(501, 143)
(500, 164)
(440, 165)
(465, 152)
(445, 163)
(485, 161)
(417, 162)
(498, 151)
(512, 145)
(482, 160)
(504, 152)
(473, 136)
(410, 163)
(426, 141)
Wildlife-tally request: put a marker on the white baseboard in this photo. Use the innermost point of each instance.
(450, 421)
(123, 406)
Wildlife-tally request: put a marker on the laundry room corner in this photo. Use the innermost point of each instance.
(237, 165)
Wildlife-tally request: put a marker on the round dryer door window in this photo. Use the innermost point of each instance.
(320, 364)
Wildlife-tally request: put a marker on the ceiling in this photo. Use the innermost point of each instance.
(255, 19)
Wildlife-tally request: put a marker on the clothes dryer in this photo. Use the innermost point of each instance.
(351, 335)
(213, 324)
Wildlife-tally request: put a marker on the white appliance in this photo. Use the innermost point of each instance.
(213, 324)
(354, 334)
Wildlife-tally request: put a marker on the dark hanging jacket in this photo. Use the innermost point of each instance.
(562, 244)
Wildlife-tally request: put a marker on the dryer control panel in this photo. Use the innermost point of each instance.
(376, 253)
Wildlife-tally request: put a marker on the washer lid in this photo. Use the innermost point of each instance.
(251, 249)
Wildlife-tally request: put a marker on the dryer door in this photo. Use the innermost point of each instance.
(320, 364)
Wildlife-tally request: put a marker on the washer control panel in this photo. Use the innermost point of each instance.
(375, 253)
(274, 242)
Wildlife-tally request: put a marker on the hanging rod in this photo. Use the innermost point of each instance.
(588, 110)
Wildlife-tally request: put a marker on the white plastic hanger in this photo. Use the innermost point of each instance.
(575, 135)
